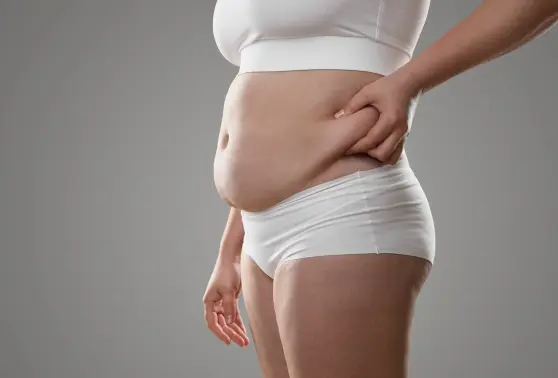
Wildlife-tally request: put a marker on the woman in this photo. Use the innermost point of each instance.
(329, 228)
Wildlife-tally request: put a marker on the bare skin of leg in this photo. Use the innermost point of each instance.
(257, 290)
(348, 315)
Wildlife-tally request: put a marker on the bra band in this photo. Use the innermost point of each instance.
(322, 52)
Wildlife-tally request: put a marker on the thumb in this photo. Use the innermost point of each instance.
(229, 307)
(348, 130)
(357, 102)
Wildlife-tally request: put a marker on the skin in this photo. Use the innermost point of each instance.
(267, 114)
(348, 315)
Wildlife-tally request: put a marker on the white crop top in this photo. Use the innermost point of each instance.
(286, 35)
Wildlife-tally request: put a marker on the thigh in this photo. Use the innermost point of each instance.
(348, 315)
(257, 290)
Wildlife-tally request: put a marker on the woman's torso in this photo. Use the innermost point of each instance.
(278, 132)
(278, 135)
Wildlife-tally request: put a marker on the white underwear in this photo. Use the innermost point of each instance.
(381, 210)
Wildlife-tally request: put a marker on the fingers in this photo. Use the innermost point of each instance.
(386, 126)
(396, 153)
(231, 331)
(385, 149)
(349, 129)
(217, 308)
(231, 320)
(357, 102)
(229, 307)
(242, 327)
(390, 150)
(239, 331)
(212, 322)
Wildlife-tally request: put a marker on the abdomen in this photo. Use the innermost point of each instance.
(278, 135)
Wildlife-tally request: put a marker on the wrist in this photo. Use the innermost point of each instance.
(228, 258)
(409, 80)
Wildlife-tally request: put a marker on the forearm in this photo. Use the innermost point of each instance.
(495, 28)
(233, 237)
(540, 29)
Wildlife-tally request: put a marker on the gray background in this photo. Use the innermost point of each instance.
(110, 223)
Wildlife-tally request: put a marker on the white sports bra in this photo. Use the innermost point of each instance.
(286, 35)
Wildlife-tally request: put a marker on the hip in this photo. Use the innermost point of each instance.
(383, 210)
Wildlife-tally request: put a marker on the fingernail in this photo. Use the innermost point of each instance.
(339, 113)
(229, 319)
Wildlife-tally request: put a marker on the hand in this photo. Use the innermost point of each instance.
(221, 304)
(392, 98)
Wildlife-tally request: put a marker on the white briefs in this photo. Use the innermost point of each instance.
(381, 210)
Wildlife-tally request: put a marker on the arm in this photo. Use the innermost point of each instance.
(224, 287)
(233, 237)
(495, 28)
